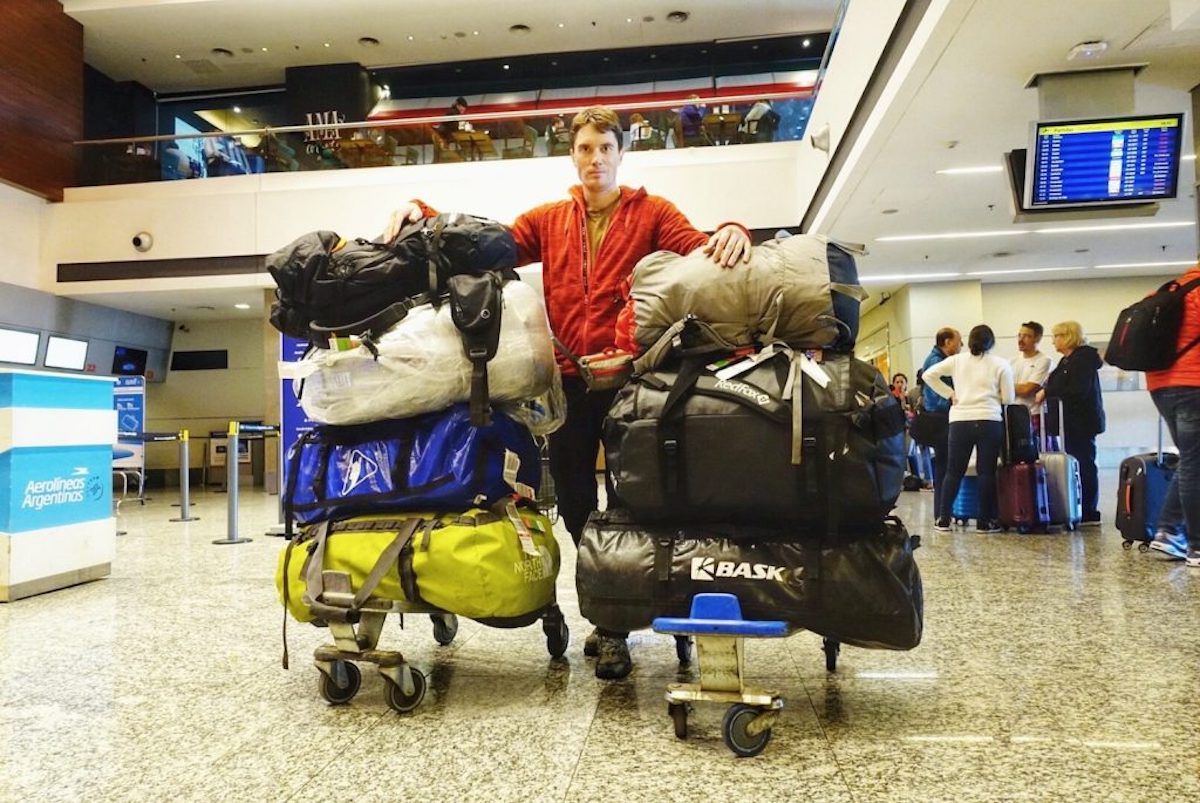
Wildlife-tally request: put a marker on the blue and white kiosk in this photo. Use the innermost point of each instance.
(56, 451)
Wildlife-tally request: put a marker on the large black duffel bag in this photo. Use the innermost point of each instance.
(865, 592)
(683, 445)
(324, 279)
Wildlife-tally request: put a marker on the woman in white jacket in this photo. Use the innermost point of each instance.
(983, 384)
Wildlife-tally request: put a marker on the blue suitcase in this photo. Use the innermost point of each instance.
(966, 504)
(1141, 490)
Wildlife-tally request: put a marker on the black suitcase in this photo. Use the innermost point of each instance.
(683, 445)
(866, 592)
(1141, 490)
(1019, 445)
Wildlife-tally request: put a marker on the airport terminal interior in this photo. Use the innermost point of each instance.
(156, 165)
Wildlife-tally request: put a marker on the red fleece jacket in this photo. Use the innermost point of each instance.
(583, 299)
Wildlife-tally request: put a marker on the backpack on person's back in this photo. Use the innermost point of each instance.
(1146, 333)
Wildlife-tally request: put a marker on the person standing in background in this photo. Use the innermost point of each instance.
(1076, 382)
(1030, 369)
(983, 384)
(947, 343)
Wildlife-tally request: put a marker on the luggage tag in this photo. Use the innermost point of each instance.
(523, 534)
(730, 360)
(741, 367)
(512, 464)
(343, 343)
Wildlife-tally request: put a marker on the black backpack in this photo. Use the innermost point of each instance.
(1146, 332)
(339, 285)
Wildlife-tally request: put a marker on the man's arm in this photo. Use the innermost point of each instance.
(933, 378)
(1037, 379)
(728, 245)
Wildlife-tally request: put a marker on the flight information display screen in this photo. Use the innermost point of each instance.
(1097, 162)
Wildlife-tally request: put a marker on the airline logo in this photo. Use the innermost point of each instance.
(360, 468)
(711, 569)
(81, 485)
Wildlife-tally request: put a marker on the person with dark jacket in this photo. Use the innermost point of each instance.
(588, 245)
(1076, 382)
(947, 343)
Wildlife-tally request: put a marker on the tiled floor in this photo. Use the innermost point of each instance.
(1054, 667)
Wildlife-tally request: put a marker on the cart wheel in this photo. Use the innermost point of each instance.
(558, 635)
(1143, 547)
(831, 649)
(445, 627)
(737, 718)
(342, 690)
(1126, 545)
(400, 702)
(683, 650)
(962, 522)
(679, 715)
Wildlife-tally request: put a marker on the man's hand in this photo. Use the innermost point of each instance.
(407, 213)
(728, 246)
(1040, 397)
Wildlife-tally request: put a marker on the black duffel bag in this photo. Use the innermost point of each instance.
(683, 445)
(866, 592)
(337, 283)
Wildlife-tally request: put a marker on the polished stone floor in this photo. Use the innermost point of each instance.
(1054, 667)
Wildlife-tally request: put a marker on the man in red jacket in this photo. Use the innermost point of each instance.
(588, 245)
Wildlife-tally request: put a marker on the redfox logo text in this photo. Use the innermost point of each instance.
(711, 569)
(742, 389)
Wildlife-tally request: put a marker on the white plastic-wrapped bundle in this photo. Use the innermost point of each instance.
(422, 366)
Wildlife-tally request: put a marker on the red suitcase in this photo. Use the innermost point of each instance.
(1022, 496)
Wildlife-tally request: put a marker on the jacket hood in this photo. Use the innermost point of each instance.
(1088, 356)
(627, 194)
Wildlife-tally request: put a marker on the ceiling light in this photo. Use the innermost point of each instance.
(237, 109)
(1087, 50)
(410, 37)
(904, 277)
(1019, 270)
(629, 19)
(506, 66)
(966, 171)
(1119, 227)
(806, 42)
(474, 33)
(241, 306)
(327, 44)
(952, 235)
(678, 16)
(1191, 157)
(562, 25)
(1172, 264)
(178, 56)
(264, 50)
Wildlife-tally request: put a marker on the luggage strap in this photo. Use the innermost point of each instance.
(314, 566)
(476, 307)
(433, 248)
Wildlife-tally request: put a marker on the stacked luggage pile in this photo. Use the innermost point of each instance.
(431, 372)
(753, 454)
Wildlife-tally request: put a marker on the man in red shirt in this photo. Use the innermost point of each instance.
(588, 245)
(1176, 394)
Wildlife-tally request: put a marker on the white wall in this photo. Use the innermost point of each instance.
(20, 231)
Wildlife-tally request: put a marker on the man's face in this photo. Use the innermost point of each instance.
(953, 345)
(1027, 340)
(596, 157)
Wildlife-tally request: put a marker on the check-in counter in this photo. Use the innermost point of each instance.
(56, 452)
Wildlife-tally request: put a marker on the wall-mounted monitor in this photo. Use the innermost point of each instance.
(65, 352)
(129, 361)
(19, 347)
(1103, 162)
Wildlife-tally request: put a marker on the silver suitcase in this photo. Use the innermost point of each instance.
(1064, 488)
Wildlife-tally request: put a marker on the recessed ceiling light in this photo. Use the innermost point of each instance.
(951, 235)
(519, 29)
(967, 171)
(806, 42)
(410, 37)
(903, 277)
(629, 19)
(241, 306)
(1021, 270)
(327, 44)
(1087, 50)
(1172, 264)
(966, 235)
(562, 25)
(1119, 227)
(237, 109)
(264, 50)
(474, 33)
(178, 56)
(506, 66)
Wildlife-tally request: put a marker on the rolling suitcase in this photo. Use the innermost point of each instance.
(1141, 489)
(966, 503)
(1022, 497)
(1064, 487)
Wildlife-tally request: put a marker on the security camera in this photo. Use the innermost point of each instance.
(142, 241)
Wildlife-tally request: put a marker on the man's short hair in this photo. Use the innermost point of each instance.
(461, 102)
(1034, 327)
(601, 118)
(945, 335)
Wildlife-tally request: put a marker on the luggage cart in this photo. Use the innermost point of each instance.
(720, 631)
(547, 496)
(356, 637)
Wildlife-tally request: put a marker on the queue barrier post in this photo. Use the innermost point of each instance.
(185, 488)
(231, 480)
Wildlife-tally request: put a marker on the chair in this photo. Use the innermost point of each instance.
(412, 156)
(444, 151)
(525, 149)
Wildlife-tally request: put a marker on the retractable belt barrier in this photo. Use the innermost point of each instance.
(236, 428)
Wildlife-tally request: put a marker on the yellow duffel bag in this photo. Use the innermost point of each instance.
(479, 564)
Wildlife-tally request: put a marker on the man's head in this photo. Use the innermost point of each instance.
(1028, 337)
(596, 148)
(461, 105)
(949, 341)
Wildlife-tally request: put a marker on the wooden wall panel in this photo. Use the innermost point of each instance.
(41, 96)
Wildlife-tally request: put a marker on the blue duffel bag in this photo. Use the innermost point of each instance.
(438, 461)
